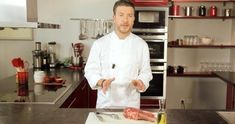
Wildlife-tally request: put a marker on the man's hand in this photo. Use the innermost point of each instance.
(138, 84)
(106, 84)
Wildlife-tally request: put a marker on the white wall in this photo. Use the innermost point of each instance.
(10, 50)
(60, 12)
(233, 41)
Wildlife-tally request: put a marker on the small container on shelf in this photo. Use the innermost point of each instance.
(213, 11)
(175, 10)
(227, 12)
(180, 69)
(206, 41)
(202, 10)
(170, 69)
(188, 10)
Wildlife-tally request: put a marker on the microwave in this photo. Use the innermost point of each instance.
(151, 18)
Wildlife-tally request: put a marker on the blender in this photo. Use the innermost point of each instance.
(77, 59)
(52, 54)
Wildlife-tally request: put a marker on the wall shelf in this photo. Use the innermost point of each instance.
(202, 0)
(202, 46)
(201, 17)
(192, 74)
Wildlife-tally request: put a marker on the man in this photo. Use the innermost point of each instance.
(118, 64)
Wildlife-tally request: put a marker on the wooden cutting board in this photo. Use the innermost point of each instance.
(228, 116)
(92, 119)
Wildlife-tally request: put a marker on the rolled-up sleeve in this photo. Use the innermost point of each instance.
(145, 73)
(93, 67)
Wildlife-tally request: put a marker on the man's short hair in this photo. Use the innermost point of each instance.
(122, 3)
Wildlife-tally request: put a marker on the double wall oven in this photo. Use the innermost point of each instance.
(151, 24)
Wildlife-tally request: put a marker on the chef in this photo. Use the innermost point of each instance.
(118, 65)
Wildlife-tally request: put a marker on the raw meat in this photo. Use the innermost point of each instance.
(137, 114)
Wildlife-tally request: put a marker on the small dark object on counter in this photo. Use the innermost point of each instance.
(180, 69)
(170, 69)
(52, 87)
(53, 79)
(174, 43)
(58, 80)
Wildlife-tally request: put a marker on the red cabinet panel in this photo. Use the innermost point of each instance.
(149, 103)
(92, 98)
(79, 97)
(150, 2)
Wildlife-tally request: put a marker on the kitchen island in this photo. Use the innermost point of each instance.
(50, 114)
(44, 106)
(41, 93)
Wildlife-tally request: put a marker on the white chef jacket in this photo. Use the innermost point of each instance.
(125, 60)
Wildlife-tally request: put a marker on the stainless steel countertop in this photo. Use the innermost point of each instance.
(38, 93)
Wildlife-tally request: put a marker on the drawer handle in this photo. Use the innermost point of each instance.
(72, 102)
(84, 87)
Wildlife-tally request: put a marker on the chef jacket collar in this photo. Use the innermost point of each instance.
(116, 36)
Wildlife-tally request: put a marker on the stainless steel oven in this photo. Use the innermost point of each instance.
(151, 17)
(157, 86)
(157, 43)
(157, 50)
(151, 24)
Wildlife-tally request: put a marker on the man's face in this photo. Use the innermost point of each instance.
(124, 19)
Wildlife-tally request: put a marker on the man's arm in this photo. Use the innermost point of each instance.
(145, 74)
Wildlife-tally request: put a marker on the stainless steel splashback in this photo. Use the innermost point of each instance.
(21, 14)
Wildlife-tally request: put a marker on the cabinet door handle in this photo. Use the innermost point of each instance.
(84, 87)
(72, 102)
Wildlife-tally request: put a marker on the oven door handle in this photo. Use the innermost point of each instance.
(156, 72)
(156, 40)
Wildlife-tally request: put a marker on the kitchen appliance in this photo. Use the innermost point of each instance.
(52, 54)
(37, 56)
(157, 86)
(157, 44)
(151, 24)
(37, 45)
(45, 60)
(21, 14)
(151, 19)
(76, 58)
(37, 59)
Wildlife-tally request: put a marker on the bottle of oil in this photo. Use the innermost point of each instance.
(162, 116)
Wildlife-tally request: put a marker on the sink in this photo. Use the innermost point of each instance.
(228, 116)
